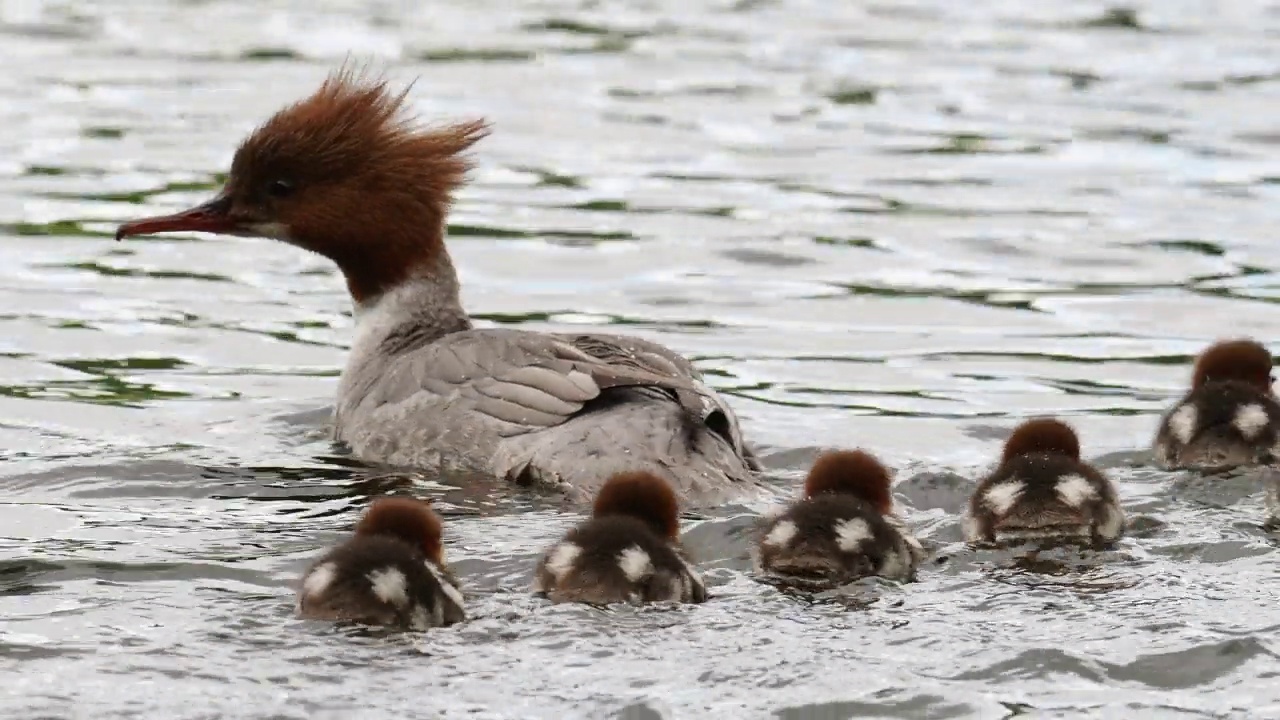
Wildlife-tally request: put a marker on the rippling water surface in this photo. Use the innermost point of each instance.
(898, 225)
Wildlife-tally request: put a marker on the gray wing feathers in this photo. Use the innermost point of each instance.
(488, 394)
(634, 351)
(526, 380)
(535, 395)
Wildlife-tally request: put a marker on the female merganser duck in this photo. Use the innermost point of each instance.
(844, 528)
(346, 173)
(629, 551)
(391, 573)
(1229, 418)
(1042, 491)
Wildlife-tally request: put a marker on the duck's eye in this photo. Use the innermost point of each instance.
(280, 188)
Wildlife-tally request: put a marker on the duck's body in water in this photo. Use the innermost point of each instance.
(347, 174)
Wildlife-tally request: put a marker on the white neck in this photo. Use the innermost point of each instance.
(410, 315)
(426, 308)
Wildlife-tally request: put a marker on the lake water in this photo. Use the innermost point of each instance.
(895, 225)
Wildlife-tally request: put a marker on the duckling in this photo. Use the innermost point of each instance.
(628, 551)
(844, 528)
(1043, 491)
(391, 572)
(1229, 418)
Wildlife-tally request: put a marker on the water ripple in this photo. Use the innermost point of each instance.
(899, 225)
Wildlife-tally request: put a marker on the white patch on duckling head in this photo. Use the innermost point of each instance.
(1000, 498)
(1112, 524)
(317, 581)
(1250, 420)
(561, 558)
(1182, 423)
(682, 588)
(897, 566)
(420, 619)
(635, 563)
(851, 533)
(390, 586)
(690, 581)
(781, 534)
(450, 590)
(1075, 490)
(913, 545)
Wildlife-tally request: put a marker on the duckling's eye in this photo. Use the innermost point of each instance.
(280, 188)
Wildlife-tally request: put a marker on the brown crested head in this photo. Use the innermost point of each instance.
(644, 496)
(346, 173)
(1241, 360)
(1041, 435)
(405, 519)
(851, 472)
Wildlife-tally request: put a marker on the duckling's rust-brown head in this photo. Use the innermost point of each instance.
(851, 472)
(1041, 435)
(644, 496)
(1242, 360)
(346, 173)
(406, 519)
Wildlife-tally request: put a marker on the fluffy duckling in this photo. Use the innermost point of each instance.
(1042, 491)
(844, 528)
(391, 572)
(1229, 418)
(629, 551)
